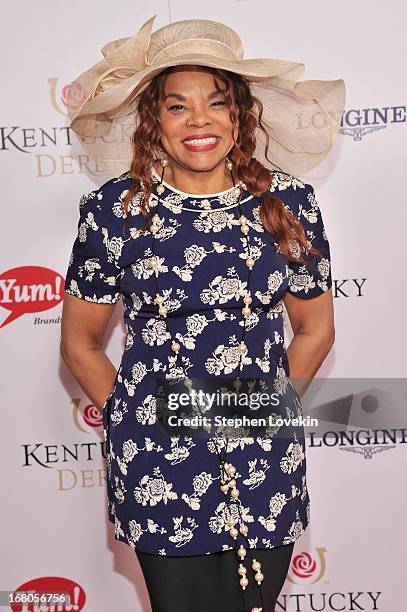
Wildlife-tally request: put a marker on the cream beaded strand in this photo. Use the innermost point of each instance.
(228, 470)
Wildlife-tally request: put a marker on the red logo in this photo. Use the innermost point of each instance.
(303, 565)
(48, 593)
(92, 416)
(64, 94)
(29, 289)
(308, 568)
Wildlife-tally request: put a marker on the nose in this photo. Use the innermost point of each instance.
(198, 116)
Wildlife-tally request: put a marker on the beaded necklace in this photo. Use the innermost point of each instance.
(227, 469)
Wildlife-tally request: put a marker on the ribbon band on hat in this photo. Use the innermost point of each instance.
(126, 51)
(201, 44)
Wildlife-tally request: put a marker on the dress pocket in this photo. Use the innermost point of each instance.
(106, 407)
(106, 415)
(294, 389)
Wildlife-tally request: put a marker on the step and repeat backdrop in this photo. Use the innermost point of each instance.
(55, 531)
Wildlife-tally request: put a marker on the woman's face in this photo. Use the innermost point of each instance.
(196, 131)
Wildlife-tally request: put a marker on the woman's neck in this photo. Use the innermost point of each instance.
(194, 181)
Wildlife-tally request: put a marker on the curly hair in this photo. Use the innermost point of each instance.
(146, 142)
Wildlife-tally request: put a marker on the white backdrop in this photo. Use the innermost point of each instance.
(54, 519)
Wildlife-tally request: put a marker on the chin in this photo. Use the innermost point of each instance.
(204, 163)
(203, 167)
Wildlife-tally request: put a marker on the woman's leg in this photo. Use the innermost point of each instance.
(210, 583)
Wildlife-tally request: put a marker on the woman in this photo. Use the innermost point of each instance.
(204, 243)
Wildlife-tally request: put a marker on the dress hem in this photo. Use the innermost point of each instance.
(216, 550)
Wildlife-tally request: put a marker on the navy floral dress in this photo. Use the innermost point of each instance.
(164, 495)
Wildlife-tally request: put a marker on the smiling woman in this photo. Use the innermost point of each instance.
(205, 239)
(197, 134)
(203, 107)
(222, 100)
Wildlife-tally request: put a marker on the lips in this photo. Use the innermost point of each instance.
(200, 136)
(204, 142)
(201, 140)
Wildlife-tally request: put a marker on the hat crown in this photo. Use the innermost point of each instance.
(194, 36)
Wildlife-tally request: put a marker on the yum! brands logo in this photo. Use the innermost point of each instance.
(47, 594)
(29, 289)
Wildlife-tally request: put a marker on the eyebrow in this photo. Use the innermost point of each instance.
(178, 96)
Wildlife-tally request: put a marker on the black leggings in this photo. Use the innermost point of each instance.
(210, 583)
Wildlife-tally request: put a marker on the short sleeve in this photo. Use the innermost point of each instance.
(310, 280)
(93, 272)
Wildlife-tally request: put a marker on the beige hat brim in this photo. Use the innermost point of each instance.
(256, 70)
(302, 119)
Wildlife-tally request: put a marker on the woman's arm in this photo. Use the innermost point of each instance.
(312, 322)
(82, 331)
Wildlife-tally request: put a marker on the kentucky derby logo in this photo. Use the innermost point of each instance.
(307, 567)
(59, 100)
(90, 416)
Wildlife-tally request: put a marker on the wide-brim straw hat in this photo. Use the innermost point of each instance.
(302, 118)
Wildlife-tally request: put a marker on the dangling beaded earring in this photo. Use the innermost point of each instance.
(160, 188)
(229, 166)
